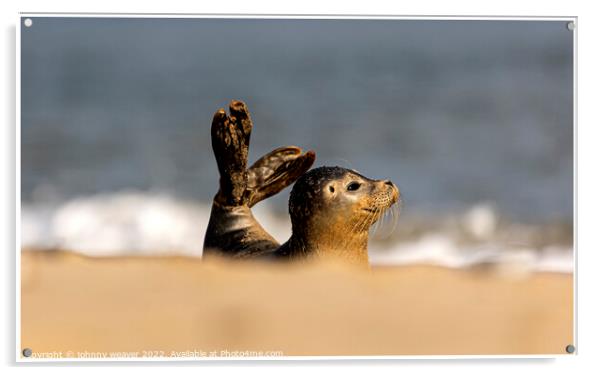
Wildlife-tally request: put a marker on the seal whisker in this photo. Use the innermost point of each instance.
(386, 227)
(373, 216)
(395, 216)
(387, 222)
(391, 221)
(380, 222)
(375, 228)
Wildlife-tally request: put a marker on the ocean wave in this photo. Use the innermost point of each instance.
(142, 223)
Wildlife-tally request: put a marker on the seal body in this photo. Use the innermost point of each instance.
(331, 208)
(233, 231)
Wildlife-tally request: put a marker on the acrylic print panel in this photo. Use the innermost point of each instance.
(442, 225)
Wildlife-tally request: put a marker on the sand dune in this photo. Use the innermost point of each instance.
(178, 306)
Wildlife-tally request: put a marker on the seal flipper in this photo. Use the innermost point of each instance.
(230, 136)
(232, 229)
(276, 170)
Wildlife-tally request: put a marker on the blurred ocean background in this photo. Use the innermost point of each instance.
(473, 120)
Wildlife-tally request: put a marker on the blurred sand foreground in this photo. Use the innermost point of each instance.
(177, 306)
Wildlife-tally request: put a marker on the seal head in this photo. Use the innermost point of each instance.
(332, 209)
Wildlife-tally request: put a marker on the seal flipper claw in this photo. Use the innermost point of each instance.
(276, 170)
(240, 115)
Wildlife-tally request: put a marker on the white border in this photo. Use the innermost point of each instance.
(18, 189)
(296, 16)
(575, 186)
(20, 359)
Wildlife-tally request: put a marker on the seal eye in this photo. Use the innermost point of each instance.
(353, 186)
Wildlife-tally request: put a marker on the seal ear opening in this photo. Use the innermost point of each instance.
(331, 188)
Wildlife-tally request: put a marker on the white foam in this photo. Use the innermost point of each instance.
(439, 249)
(480, 221)
(128, 222)
(133, 222)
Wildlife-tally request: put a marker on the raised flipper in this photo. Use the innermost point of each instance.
(232, 229)
(230, 136)
(276, 170)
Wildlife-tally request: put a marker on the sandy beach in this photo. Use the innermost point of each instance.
(178, 306)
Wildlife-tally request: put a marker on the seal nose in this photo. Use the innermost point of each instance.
(394, 190)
